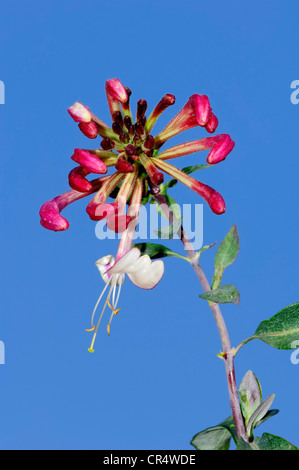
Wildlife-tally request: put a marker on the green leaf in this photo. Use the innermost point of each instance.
(204, 248)
(154, 250)
(250, 393)
(191, 169)
(217, 437)
(271, 442)
(226, 255)
(282, 330)
(259, 414)
(268, 415)
(223, 295)
(146, 199)
(242, 445)
(170, 184)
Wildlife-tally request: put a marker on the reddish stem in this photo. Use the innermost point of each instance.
(228, 356)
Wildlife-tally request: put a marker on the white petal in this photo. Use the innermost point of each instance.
(125, 262)
(148, 278)
(103, 264)
(143, 263)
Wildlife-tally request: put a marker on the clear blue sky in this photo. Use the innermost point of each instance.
(156, 380)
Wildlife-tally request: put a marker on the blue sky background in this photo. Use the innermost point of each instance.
(156, 380)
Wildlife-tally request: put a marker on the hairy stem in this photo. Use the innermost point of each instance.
(228, 354)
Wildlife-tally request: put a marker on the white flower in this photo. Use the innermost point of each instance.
(141, 270)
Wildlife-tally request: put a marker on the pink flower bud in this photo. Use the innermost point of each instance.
(122, 166)
(89, 129)
(115, 89)
(78, 181)
(51, 218)
(221, 149)
(118, 223)
(50, 210)
(101, 211)
(201, 107)
(212, 197)
(196, 112)
(89, 161)
(79, 112)
(212, 123)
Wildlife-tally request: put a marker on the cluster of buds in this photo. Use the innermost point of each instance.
(130, 147)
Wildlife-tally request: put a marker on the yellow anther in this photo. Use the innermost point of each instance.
(110, 306)
(108, 329)
(90, 329)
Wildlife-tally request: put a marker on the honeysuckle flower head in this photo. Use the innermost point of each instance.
(141, 270)
(130, 147)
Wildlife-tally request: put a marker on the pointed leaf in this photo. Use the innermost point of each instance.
(282, 330)
(226, 254)
(268, 415)
(154, 250)
(223, 295)
(250, 393)
(259, 414)
(271, 442)
(191, 169)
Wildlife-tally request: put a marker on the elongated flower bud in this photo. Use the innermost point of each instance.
(91, 162)
(50, 210)
(220, 144)
(196, 112)
(141, 109)
(79, 112)
(153, 173)
(115, 89)
(211, 196)
(167, 100)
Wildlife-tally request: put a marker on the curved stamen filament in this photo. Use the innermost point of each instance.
(114, 309)
(90, 349)
(95, 308)
(113, 283)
